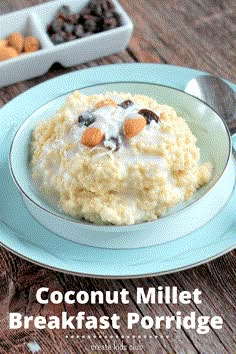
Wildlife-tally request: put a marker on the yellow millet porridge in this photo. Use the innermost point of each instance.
(116, 158)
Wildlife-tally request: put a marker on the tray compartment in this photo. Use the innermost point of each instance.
(91, 47)
(26, 65)
(24, 24)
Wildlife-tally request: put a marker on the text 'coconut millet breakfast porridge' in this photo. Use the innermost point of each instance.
(116, 158)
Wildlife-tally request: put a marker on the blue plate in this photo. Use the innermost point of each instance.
(21, 234)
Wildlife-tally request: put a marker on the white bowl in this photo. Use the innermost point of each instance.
(215, 146)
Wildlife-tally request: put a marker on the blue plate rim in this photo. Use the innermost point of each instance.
(148, 68)
(135, 276)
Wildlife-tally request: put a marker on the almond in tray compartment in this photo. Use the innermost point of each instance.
(16, 44)
(16, 41)
(3, 42)
(97, 16)
(31, 44)
(7, 52)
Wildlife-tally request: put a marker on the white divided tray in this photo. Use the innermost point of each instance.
(34, 20)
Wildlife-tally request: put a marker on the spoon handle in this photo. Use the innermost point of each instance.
(233, 137)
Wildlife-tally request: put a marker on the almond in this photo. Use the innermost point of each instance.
(31, 44)
(106, 102)
(3, 42)
(134, 126)
(16, 41)
(7, 53)
(92, 137)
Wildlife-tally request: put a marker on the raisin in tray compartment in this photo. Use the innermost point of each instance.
(34, 21)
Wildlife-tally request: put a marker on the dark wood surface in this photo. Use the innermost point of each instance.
(193, 33)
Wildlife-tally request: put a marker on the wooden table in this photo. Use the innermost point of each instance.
(193, 33)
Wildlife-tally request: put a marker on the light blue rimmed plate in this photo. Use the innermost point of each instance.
(20, 233)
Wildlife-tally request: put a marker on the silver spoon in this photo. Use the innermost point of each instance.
(216, 93)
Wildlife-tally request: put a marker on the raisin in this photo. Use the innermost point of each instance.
(109, 23)
(63, 10)
(56, 26)
(58, 38)
(104, 6)
(81, 120)
(114, 143)
(117, 17)
(88, 17)
(149, 115)
(97, 11)
(108, 14)
(70, 37)
(110, 4)
(84, 12)
(49, 29)
(68, 27)
(86, 119)
(73, 18)
(79, 31)
(89, 25)
(96, 8)
(126, 104)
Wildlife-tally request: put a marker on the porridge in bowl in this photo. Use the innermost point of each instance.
(116, 158)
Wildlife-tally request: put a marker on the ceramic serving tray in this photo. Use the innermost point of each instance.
(34, 20)
(21, 234)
